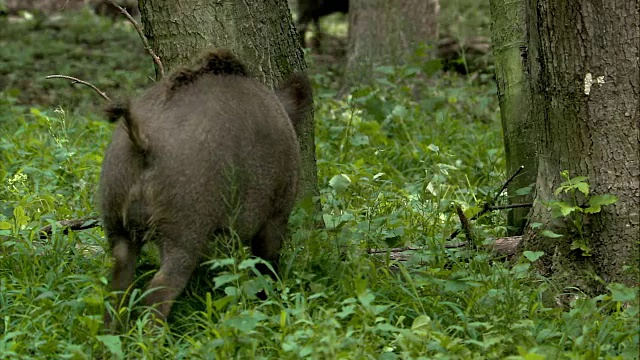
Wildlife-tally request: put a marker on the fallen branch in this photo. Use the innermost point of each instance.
(156, 58)
(76, 80)
(71, 224)
(506, 246)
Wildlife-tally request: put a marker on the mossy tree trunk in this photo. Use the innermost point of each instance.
(509, 47)
(583, 75)
(387, 32)
(261, 33)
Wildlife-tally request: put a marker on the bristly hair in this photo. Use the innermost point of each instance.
(214, 62)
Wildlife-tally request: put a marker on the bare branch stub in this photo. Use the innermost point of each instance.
(72, 224)
(156, 58)
(76, 80)
(510, 206)
(466, 226)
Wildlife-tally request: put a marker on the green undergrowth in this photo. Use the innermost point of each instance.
(394, 159)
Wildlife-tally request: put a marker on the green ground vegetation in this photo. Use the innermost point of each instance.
(394, 158)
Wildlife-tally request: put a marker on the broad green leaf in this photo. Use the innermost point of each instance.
(566, 209)
(387, 70)
(224, 279)
(533, 255)
(559, 208)
(366, 299)
(249, 263)
(5, 225)
(361, 93)
(583, 188)
(559, 190)
(430, 188)
(334, 221)
(358, 140)
(582, 245)
(524, 191)
(550, 234)
(340, 182)
(472, 211)
(246, 322)
(622, 293)
(218, 263)
(596, 201)
(579, 179)
(399, 111)
(113, 344)
(420, 322)
(346, 311)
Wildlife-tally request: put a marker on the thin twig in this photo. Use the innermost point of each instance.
(506, 183)
(511, 206)
(72, 224)
(76, 80)
(488, 206)
(135, 24)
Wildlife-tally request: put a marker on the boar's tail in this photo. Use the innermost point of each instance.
(296, 97)
(214, 62)
(117, 110)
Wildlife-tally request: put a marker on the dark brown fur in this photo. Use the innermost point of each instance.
(204, 146)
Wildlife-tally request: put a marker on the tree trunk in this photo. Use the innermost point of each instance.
(261, 33)
(585, 82)
(387, 32)
(509, 36)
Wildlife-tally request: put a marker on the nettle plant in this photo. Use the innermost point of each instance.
(575, 207)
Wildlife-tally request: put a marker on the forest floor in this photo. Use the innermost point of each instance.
(395, 158)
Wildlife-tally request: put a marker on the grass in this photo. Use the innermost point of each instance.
(393, 157)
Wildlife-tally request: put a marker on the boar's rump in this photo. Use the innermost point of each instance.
(203, 151)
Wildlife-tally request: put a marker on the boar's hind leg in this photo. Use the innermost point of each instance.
(125, 253)
(267, 243)
(179, 259)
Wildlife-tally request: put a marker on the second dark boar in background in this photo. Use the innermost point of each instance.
(312, 10)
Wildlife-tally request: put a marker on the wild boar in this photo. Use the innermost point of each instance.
(312, 10)
(206, 150)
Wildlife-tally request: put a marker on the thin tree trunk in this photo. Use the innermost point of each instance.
(387, 32)
(509, 47)
(586, 104)
(261, 33)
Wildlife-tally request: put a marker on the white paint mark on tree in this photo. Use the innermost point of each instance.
(588, 82)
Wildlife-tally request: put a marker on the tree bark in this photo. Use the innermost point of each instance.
(261, 33)
(387, 32)
(585, 82)
(509, 47)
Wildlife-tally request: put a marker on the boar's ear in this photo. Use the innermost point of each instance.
(121, 109)
(117, 109)
(296, 97)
